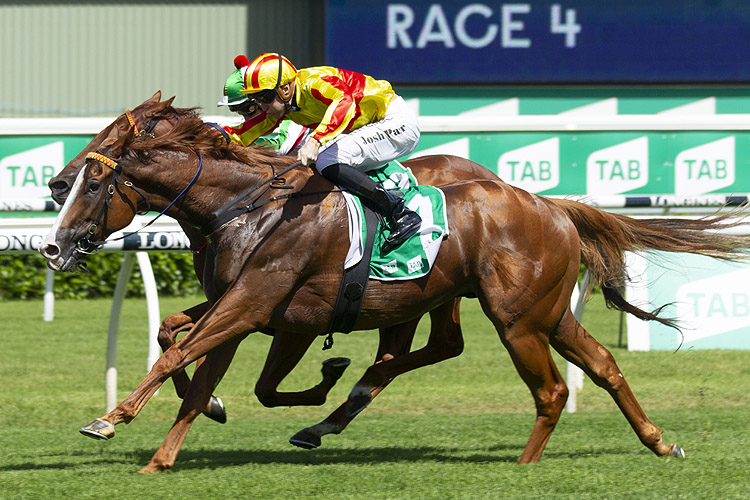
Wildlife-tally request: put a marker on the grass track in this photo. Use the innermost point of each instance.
(454, 430)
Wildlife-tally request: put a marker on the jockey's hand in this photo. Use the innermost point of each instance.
(308, 153)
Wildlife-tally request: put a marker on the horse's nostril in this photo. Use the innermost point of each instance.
(59, 186)
(60, 190)
(50, 251)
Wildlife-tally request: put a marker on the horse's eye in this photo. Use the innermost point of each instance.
(93, 187)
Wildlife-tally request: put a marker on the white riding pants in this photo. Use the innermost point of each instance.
(376, 143)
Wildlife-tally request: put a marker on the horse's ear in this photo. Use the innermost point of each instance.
(163, 105)
(155, 98)
(122, 142)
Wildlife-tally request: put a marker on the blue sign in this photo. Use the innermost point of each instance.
(541, 41)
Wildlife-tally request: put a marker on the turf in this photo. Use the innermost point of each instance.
(454, 430)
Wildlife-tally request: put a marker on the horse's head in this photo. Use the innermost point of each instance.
(102, 200)
(141, 117)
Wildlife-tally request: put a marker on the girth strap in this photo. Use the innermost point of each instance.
(353, 285)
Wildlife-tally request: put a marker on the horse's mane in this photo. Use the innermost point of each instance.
(191, 132)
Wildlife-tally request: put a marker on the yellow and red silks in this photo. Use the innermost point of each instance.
(329, 100)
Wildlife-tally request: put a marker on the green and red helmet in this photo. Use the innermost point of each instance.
(235, 84)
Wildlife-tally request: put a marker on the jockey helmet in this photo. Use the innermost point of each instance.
(235, 84)
(265, 76)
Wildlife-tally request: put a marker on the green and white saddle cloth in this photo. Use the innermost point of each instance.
(414, 258)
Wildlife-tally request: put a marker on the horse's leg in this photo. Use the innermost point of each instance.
(170, 327)
(445, 341)
(524, 319)
(394, 341)
(229, 318)
(206, 377)
(576, 345)
(285, 353)
(168, 331)
(529, 351)
(203, 265)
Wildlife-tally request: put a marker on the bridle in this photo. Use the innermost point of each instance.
(86, 245)
(148, 130)
(222, 216)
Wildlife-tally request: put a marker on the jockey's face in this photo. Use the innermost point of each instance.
(275, 108)
(270, 102)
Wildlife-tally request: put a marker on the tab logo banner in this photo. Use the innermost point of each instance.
(26, 174)
(619, 168)
(713, 306)
(534, 168)
(709, 299)
(705, 168)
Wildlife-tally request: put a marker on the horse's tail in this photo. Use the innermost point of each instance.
(605, 237)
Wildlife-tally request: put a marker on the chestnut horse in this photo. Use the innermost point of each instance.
(523, 272)
(156, 117)
(152, 117)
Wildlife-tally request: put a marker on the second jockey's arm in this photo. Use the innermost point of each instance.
(308, 153)
(252, 128)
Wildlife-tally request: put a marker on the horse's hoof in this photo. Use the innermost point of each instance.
(305, 439)
(355, 404)
(216, 410)
(153, 469)
(335, 367)
(98, 429)
(676, 451)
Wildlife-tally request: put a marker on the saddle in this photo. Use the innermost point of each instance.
(367, 259)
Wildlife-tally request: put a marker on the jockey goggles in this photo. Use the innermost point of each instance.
(264, 96)
(247, 107)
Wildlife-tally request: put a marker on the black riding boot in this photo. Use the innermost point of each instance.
(401, 221)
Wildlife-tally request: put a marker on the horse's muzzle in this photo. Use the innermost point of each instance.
(56, 261)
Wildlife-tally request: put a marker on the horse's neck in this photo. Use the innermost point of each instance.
(219, 183)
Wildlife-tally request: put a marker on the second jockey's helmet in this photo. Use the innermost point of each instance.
(266, 74)
(235, 84)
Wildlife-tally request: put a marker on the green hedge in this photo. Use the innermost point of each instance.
(22, 277)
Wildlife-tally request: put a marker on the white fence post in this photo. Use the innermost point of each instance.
(114, 325)
(573, 374)
(49, 295)
(152, 303)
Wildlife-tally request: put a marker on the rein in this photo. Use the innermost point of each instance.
(222, 216)
(225, 214)
(87, 246)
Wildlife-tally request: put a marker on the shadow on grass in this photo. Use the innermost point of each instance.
(209, 459)
(215, 459)
(212, 458)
